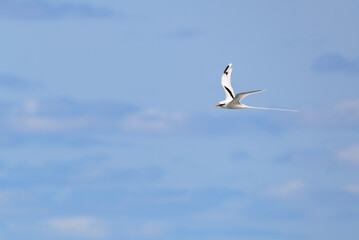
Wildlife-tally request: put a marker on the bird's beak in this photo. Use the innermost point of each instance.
(217, 105)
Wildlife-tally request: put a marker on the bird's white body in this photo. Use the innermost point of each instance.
(232, 105)
(233, 101)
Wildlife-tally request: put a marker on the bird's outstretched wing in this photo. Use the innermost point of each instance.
(242, 95)
(226, 83)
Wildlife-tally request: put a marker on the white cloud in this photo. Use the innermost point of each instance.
(27, 117)
(154, 228)
(62, 115)
(350, 154)
(142, 230)
(345, 113)
(15, 195)
(31, 106)
(80, 227)
(352, 189)
(44, 124)
(350, 109)
(289, 189)
(226, 211)
(152, 120)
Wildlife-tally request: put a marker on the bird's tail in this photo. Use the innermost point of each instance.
(277, 109)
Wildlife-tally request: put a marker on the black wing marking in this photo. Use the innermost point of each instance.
(229, 91)
(225, 71)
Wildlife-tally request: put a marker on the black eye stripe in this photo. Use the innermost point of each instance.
(229, 91)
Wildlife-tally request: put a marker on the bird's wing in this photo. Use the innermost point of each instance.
(226, 83)
(242, 95)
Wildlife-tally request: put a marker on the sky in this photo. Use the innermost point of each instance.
(109, 131)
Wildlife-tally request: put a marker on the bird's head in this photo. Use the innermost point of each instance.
(220, 104)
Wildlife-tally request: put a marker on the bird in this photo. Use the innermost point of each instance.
(233, 101)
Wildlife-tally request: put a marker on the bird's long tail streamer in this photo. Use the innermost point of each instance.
(277, 109)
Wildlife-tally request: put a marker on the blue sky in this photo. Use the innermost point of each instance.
(108, 129)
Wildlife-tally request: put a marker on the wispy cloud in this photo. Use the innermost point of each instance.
(335, 63)
(42, 124)
(72, 172)
(350, 154)
(227, 210)
(129, 176)
(61, 114)
(37, 10)
(84, 227)
(352, 188)
(13, 196)
(66, 114)
(152, 120)
(154, 228)
(343, 114)
(289, 189)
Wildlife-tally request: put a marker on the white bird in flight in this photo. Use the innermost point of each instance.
(233, 101)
